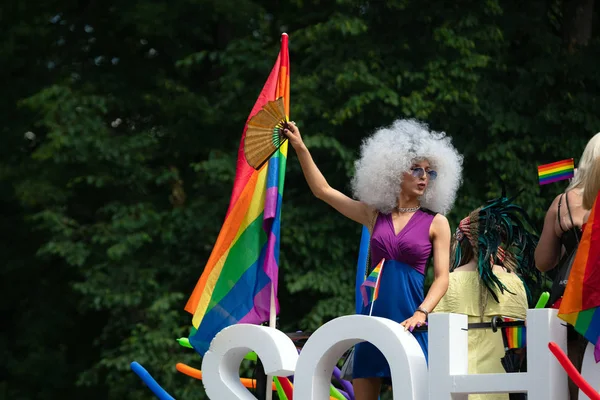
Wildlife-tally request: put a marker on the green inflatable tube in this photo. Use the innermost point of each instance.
(185, 342)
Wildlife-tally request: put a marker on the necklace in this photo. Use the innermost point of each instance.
(407, 210)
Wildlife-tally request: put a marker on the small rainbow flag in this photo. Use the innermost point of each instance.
(515, 337)
(556, 171)
(239, 281)
(580, 305)
(372, 281)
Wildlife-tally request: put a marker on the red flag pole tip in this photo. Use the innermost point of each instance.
(284, 34)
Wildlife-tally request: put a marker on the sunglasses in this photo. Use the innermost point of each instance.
(419, 172)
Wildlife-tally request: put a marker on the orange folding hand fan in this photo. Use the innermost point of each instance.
(265, 133)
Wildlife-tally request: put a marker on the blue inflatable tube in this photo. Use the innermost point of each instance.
(150, 382)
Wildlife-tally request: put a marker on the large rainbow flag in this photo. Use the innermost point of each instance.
(580, 304)
(239, 281)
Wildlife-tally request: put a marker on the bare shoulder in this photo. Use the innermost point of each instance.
(440, 221)
(554, 206)
(552, 211)
(439, 226)
(575, 198)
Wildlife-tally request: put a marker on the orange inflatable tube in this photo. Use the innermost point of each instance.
(197, 374)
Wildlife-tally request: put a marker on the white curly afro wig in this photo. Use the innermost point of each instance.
(391, 151)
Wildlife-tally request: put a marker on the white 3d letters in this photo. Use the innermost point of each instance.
(325, 347)
(446, 379)
(448, 374)
(221, 363)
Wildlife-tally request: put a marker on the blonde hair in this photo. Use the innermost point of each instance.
(390, 151)
(592, 151)
(592, 184)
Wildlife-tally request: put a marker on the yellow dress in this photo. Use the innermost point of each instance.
(486, 348)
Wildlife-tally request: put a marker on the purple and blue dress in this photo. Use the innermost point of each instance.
(401, 289)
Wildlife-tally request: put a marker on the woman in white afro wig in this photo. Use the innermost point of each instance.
(392, 151)
(406, 179)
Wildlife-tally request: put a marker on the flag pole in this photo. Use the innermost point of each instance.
(272, 324)
(272, 308)
(272, 311)
(373, 302)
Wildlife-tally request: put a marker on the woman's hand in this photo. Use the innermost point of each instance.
(293, 135)
(353, 209)
(416, 321)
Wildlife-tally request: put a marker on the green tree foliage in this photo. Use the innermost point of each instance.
(122, 122)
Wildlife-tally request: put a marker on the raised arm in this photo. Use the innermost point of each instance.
(440, 236)
(547, 251)
(355, 210)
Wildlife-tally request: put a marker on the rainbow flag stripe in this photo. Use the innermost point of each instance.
(239, 281)
(375, 293)
(556, 171)
(581, 302)
(515, 336)
(372, 281)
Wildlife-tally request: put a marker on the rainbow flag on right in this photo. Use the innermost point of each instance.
(556, 171)
(580, 305)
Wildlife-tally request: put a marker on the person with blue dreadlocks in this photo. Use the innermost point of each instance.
(492, 270)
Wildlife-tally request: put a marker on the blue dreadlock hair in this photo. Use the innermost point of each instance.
(498, 233)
